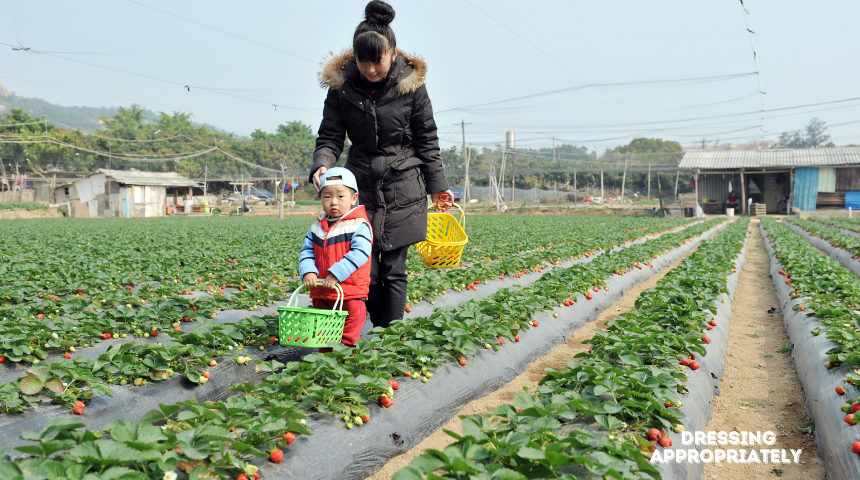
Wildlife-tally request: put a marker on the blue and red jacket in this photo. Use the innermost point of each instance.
(342, 249)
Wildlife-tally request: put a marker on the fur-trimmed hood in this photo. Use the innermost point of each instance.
(412, 76)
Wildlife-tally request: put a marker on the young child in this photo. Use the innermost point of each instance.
(337, 249)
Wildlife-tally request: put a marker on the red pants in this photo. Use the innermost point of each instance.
(354, 320)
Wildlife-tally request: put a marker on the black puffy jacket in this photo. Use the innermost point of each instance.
(395, 148)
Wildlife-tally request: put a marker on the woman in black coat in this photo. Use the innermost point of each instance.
(377, 97)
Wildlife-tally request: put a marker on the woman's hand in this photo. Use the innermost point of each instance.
(310, 280)
(320, 172)
(330, 281)
(434, 197)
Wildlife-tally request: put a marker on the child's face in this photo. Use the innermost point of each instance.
(337, 200)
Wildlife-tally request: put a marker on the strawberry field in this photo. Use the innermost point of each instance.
(148, 349)
(100, 316)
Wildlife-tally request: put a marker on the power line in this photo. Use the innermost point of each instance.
(612, 84)
(553, 59)
(171, 82)
(222, 31)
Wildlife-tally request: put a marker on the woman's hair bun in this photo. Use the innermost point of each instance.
(379, 13)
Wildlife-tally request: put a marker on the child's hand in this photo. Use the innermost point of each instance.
(330, 281)
(310, 280)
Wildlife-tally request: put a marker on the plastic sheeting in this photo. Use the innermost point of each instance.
(832, 435)
(704, 383)
(852, 200)
(805, 188)
(420, 410)
(132, 402)
(840, 255)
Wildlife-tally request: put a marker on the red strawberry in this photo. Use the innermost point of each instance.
(855, 448)
(694, 366)
(128, 287)
(273, 339)
(536, 323)
(385, 401)
(68, 355)
(106, 336)
(289, 437)
(849, 419)
(185, 319)
(692, 356)
(2, 359)
(589, 296)
(408, 374)
(710, 327)
(41, 316)
(408, 309)
(256, 476)
(242, 476)
(277, 456)
(686, 362)
(516, 338)
(213, 363)
(207, 375)
(258, 287)
(840, 390)
(365, 418)
(855, 407)
(154, 333)
(665, 442)
(706, 339)
(501, 341)
(79, 404)
(193, 309)
(394, 384)
(653, 434)
(463, 361)
(477, 282)
(78, 411)
(713, 323)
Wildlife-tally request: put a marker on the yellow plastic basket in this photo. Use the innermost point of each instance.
(446, 238)
(311, 327)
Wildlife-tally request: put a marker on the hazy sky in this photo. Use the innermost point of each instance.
(240, 58)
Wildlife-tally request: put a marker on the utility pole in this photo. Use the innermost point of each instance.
(574, 186)
(205, 180)
(623, 180)
(660, 193)
(677, 176)
(602, 199)
(553, 149)
(281, 203)
(649, 181)
(18, 181)
(465, 159)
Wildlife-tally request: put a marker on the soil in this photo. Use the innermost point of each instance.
(556, 360)
(13, 214)
(759, 391)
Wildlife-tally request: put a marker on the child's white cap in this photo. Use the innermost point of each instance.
(346, 178)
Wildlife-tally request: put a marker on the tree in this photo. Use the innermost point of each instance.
(812, 136)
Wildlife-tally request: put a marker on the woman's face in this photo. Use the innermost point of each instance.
(376, 72)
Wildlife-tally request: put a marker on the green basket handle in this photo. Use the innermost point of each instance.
(338, 304)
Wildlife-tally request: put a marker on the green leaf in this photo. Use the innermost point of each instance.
(31, 385)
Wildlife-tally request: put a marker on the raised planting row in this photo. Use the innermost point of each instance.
(33, 338)
(594, 417)
(850, 224)
(499, 253)
(820, 303)
(843, 247)
(340, 382)
(58, 294)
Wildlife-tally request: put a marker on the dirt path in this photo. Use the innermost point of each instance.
(557, 359)
(760, 391)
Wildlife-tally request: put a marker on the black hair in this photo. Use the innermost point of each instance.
(371, 35)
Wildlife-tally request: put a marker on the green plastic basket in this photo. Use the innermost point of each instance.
(311, 327)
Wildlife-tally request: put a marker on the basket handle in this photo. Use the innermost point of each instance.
(338, 304)
(445, 203)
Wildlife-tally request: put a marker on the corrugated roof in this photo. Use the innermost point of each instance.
(169, 179)
(789, 157)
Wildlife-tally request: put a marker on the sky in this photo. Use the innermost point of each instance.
(592, 73)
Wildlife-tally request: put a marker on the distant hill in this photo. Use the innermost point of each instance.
(84, 118)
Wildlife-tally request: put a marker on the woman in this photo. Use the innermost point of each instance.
(377, 97)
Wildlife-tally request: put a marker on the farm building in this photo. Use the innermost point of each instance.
(807, 178)
(121, 193)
